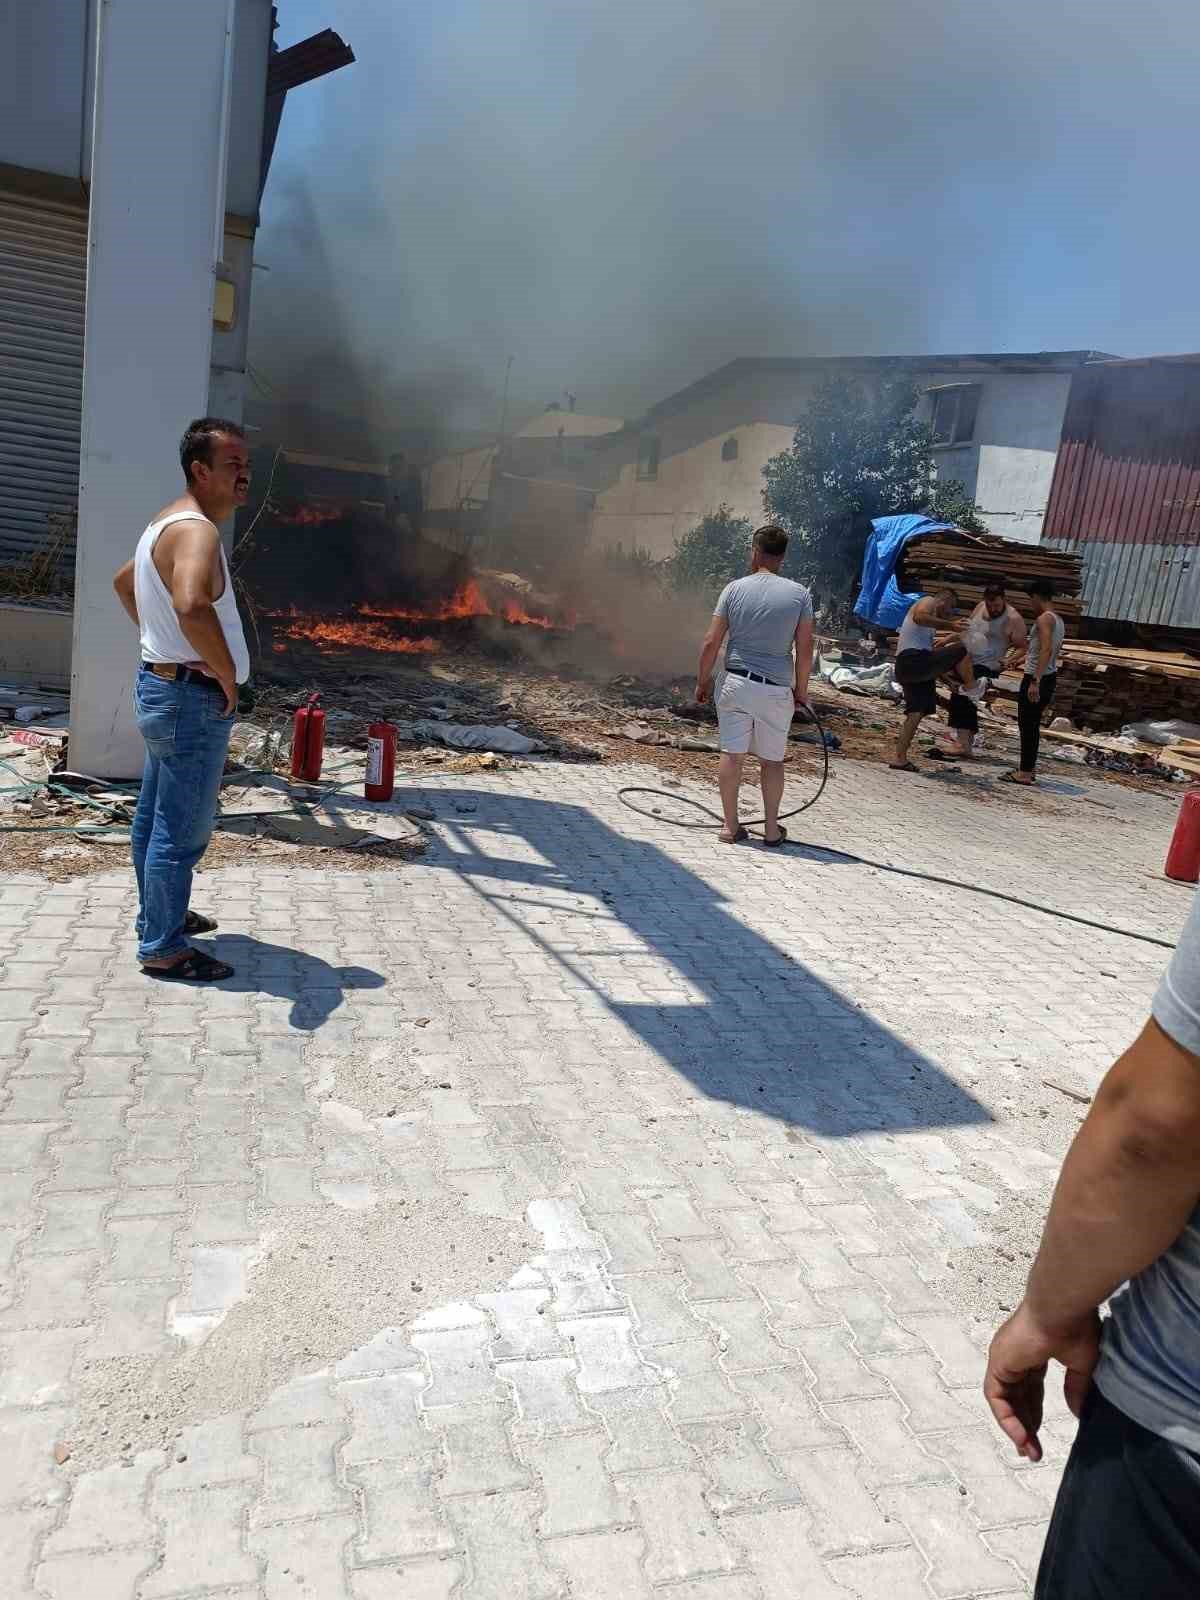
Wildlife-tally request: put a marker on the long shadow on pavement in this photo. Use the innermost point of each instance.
(756, 1028)
(314, 988)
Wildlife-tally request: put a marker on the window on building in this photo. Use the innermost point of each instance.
(954, 408)
(647, 456)
(729, 450)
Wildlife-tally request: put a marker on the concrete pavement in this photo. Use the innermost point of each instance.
(739, 1155)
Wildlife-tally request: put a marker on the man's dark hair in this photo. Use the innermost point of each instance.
(771, 541)
(197, 442)
(1042, 589)
(994, 591)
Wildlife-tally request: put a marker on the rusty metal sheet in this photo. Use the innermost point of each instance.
(1128, 468)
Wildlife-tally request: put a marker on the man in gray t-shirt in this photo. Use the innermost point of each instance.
(1126, 1211)
(768, 622)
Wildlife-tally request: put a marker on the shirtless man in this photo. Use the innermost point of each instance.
(179, 595)
(1004, 630)
(921, 661)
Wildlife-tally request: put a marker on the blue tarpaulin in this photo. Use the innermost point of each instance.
(881, 601)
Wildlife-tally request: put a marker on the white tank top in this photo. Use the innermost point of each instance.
(162, 637)
(995, 629)
(1035, 648)
(913, 636)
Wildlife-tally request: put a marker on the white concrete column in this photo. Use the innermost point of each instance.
(155, 235)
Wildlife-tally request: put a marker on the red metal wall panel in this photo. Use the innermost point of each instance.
(1128, 468)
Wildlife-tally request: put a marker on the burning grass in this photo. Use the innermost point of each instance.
(390, 628)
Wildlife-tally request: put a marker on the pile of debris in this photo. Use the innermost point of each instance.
(968, 561)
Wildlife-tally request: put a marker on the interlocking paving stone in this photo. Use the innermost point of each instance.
(736, 1369)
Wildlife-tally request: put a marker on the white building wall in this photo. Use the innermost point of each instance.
(1006, 467)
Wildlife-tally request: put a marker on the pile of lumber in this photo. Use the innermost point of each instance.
(1104, 686)
(968, 561)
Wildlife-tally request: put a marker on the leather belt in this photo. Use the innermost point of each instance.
(175, 672)
(755, 677)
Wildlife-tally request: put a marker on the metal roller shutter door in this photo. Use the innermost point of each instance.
(43, 266)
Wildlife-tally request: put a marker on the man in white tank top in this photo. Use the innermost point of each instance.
(995, 636)
(921, 660)
(1036, 694)
(179, 594)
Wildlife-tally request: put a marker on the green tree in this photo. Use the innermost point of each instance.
(859, 452)
(710, 554)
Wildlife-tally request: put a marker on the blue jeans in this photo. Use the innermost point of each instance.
(186, 733)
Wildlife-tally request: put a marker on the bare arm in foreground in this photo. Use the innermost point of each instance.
(1128, 1186)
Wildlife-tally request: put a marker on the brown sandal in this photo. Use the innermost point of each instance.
(196, 967)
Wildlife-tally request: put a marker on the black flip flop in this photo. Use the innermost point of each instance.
(1010, 777)
(773, 844)
(196, 967)
(903, 766)
(939, 755)
(195, 923)
(739, 837)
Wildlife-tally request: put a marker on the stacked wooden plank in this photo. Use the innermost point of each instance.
(968, 561)
(1104, 686)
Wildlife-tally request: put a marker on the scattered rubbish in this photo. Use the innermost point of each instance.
(484, 761)
(866, 681)
(1140, 763)
(1169, 732)
(464, 807)
(474, 736)
(1071, 1094)
(62, 1453)
(420, 813)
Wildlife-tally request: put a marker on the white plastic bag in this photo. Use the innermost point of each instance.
(1161, 732)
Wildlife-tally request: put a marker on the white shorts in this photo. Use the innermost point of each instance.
(754, 718)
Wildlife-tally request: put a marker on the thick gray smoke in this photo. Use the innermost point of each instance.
(624, 195)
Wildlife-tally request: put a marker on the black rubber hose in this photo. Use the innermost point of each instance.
(866, 861)
(747, 822)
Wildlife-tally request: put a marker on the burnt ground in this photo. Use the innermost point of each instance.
(579, 714)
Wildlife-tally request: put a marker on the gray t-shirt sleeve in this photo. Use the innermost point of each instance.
(1177, 1004)
(721, 609)
(806, 609)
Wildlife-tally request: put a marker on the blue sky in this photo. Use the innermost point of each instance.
(622, 196)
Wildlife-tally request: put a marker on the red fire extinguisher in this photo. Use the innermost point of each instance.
(381, 761)
(308, 741)
(1183, 858)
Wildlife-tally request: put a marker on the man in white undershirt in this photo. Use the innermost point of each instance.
(179, 594)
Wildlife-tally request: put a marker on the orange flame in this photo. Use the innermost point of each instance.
(361, 635)
(372, 627)
(307, 516)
